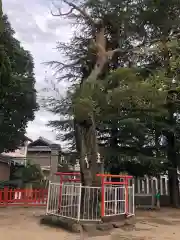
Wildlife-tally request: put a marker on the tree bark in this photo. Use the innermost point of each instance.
(88, 147)
(88, 154)
(173, 188)
(86, 130)
(173, 166)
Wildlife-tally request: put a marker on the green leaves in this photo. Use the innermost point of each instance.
(122, 89)
(29, 173)
(17, 92)
(85, 100)
(129, 100)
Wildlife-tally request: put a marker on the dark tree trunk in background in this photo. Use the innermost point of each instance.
(173, 163)
(172, 172)
(173, 188)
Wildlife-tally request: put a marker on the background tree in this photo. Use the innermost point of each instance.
(17, 91)
(1, 14)
(31, 173)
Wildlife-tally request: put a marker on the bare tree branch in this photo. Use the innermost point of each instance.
(100, 40)
(74, 7)
(60, 13)
(59, 66)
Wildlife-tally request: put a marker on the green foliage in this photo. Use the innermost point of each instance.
(130, 100)
(28, 174)
(17, 91)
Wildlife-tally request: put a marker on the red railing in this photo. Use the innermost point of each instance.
(25, 197)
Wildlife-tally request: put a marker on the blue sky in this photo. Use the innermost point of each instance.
(38, 31)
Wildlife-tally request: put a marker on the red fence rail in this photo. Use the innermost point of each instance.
(23, 197)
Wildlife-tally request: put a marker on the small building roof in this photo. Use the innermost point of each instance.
(41, 141)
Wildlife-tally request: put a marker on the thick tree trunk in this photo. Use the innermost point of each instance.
(172, 172)
(86, 129)
(88, 149)
(88, 155)
(173, 188)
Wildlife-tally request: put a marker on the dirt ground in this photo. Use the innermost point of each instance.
(23, 223)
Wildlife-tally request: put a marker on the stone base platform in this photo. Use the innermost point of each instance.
(103, 227)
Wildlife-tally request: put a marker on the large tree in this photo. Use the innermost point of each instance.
(82, 102)
(17, 90)
(124, 24)
(84, 117)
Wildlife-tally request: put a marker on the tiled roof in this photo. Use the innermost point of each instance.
(45, 140)
(49, 142)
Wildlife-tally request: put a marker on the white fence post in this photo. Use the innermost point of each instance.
(166, 185)
(138, 185)
(147, 182)
(133, 200)
(115, 201)
(49, 190)
(79, 203)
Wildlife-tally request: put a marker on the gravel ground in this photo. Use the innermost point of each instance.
(23, 223)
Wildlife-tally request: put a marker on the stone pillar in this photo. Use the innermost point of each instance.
(55, 150)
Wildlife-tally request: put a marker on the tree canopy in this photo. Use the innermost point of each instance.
(134, 100)
(17, 88)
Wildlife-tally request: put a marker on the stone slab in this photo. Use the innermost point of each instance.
(91, 229)
(64, 223)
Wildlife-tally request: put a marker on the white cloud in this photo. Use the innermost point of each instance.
(38, 31)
